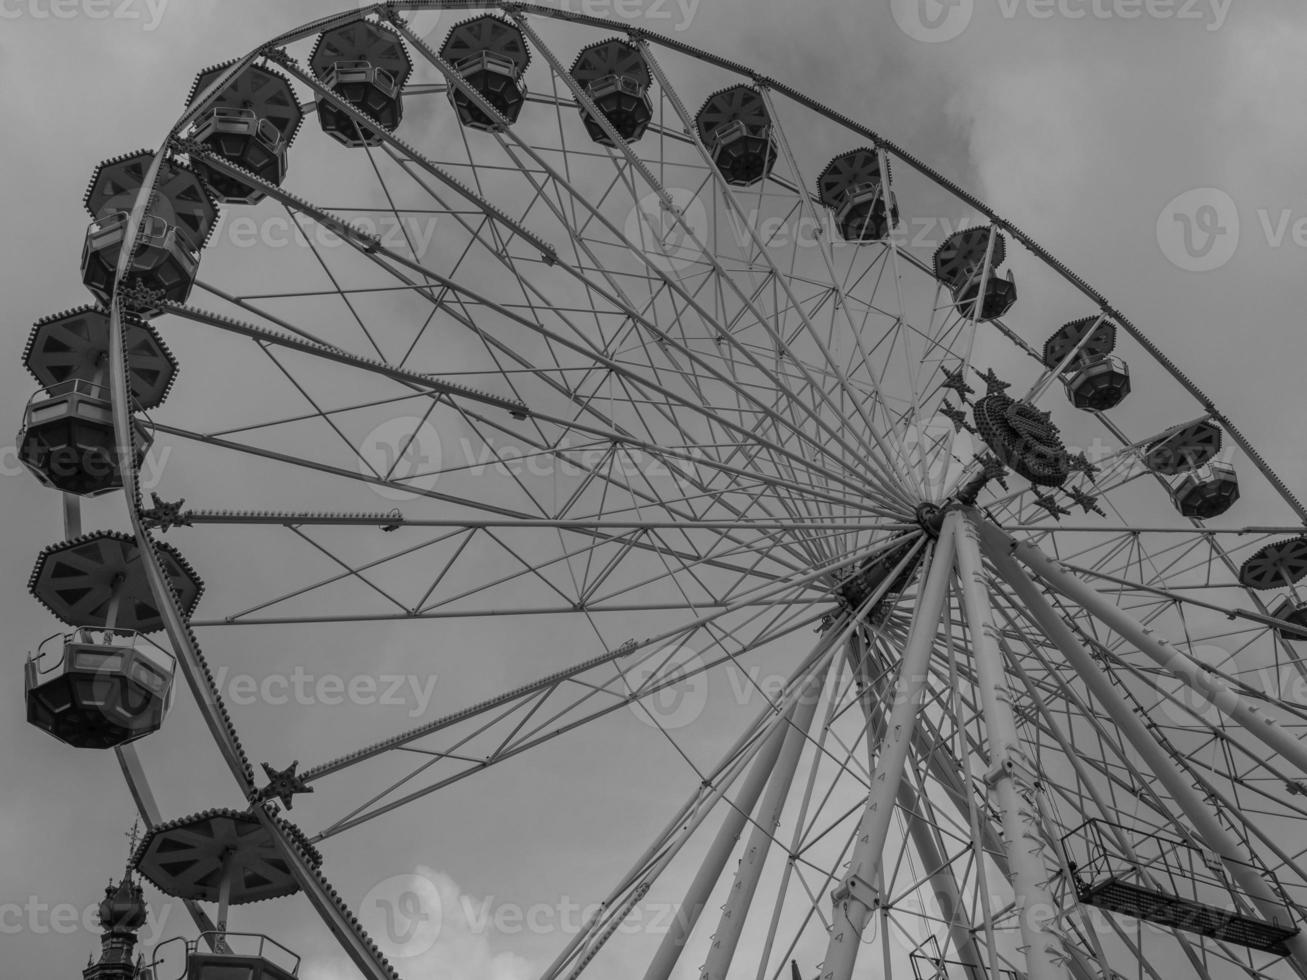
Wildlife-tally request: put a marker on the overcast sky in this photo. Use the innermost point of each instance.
(1082, 122)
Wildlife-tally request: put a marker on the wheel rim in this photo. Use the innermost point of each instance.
(794, 445)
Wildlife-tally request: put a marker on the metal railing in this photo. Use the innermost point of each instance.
(606, 84)
(1167, 866)
(1082, 362)
(359, 70)
(156, 232)
(220, 946)
(487, 61)
(88, 390)
(736, 129)
(108, 651)
(234, 119)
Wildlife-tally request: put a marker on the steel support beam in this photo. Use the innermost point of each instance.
(944, 883)
(749, 871)
(710, 792)
(696, 896)
(858, 895)
(1170, 658)
(1012, 774)
(1177, 784)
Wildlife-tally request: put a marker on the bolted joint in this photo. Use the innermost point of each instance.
(1002, 768)
(1010, 761)
(856, 889)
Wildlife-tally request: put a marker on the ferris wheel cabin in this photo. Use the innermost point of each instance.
(1208, 487)
(858, 197)
(226, 956)
(960, 265)
(735, 127)
(1081, 352)
(98, 690)
(174, 230)
(250, 124)
(228, 857)
(364, 65)
(67, 439)
(1281, 564)
(614, 75)
(490, 55)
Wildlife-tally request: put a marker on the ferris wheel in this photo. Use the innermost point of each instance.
(589, 332)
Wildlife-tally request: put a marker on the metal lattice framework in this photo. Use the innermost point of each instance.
(675, 417)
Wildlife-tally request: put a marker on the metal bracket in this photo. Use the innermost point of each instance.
(856, 888)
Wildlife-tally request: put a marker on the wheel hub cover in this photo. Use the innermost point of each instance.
(1023, 438)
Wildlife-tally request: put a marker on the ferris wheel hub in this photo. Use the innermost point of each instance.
(931, 517)
(1023, 437)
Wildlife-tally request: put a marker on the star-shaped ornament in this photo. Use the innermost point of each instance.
(283, 783)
